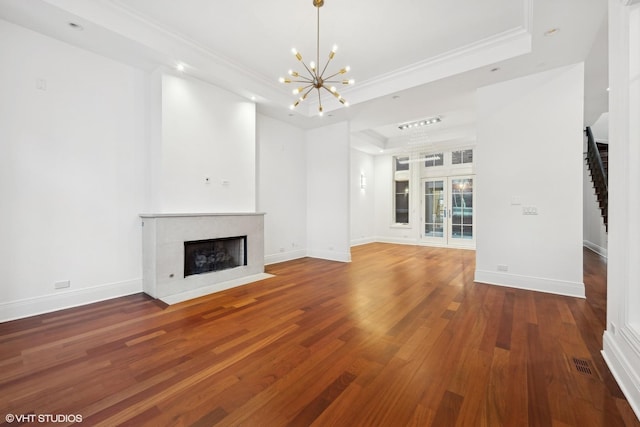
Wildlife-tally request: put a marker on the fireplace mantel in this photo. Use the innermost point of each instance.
(188, 215)
(163, 238)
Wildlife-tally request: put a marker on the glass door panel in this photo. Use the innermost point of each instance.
(461, 190)
(434, 215)
(448, 215)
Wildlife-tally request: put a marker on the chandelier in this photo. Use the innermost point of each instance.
(314, 78)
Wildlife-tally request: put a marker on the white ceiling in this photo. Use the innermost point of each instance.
(410, 58)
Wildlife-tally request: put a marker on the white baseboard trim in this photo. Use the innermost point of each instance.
(221, 286)
(409, 241)
(530, 283)
(626, 373)
(363, 241)
(330, 255)
(595, 248)
(67, 299)
(284, 256)
(396, 240)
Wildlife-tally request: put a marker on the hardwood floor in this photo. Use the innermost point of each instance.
(402, 336)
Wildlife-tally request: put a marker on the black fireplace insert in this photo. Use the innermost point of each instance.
(204, 256)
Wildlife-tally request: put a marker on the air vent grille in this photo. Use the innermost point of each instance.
(583, 366)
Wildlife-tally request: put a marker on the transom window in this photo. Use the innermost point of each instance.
(435, 159)
(462, 157)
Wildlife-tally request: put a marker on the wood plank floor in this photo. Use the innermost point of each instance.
(402, 336)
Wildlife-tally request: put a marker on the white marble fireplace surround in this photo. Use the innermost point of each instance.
(163, 237)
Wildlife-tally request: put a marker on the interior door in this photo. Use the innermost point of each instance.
(448, 214)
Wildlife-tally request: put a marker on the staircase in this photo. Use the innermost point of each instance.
(597, 159)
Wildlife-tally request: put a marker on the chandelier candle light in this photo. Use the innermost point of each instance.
(316, 79)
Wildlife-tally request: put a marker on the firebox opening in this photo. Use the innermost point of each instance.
(204, 256)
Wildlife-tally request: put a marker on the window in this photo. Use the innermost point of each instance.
(462, 157)
(434, 159)
(401, 190)
(402, 163)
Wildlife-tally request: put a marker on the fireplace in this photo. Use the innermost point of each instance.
(204, 256)
(186, 255)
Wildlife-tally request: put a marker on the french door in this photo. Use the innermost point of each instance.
(448, 217)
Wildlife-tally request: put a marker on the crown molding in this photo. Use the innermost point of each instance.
(500, 47)
(163, 45)
(166, 47)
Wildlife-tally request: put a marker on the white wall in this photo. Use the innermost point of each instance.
(383, 187)
(622, 336)
(529, 151)
(363, 205)
(328, 192)
(205, 132)
(282, 187)
(72, 174)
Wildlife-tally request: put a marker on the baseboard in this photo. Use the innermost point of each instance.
(595, 248)
(626, 373)
(284, 256)
(363, 241)
(530, 283)
(67, 299)
(330, 255)
(396, 240)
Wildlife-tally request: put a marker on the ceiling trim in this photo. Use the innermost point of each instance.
(217, 69)
(497, 48)
(169, 47)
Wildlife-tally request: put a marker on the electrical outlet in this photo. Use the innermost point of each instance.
(62, 284)
(502, 267)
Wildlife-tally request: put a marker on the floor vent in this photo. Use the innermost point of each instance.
(583, 366)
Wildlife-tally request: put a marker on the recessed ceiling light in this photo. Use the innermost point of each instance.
(551, 32)
(494, 69)
(253, 98)
(395, 96)
(180, 67)
(75, 26)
